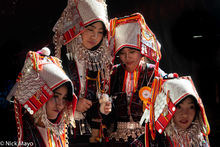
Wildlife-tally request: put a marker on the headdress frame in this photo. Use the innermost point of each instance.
(76, 16)
(132, 31)
(171, 93)
(40, 75)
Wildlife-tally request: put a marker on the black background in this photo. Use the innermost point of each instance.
(27, 25)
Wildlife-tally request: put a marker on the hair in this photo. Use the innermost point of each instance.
(68, 85)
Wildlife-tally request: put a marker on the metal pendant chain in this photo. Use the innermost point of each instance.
(95, 60)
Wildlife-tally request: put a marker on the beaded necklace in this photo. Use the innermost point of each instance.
(130, 85)
(54, 140)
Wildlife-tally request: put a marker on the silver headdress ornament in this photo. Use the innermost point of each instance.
(77, 15)
(40, 75)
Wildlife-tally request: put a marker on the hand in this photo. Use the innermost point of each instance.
(106, 107)
(83, 105)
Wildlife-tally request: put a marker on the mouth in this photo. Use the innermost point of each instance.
(183, 121)
(92, 42)
(57, 111)
(129, 63)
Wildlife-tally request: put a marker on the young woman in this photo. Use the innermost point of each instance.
(186, 124)
(44, 102)
(133, 43)
(82, 29)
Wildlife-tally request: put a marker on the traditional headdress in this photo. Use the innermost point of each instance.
(171, 92)
(77, 15)
(132, 31)
(41, 74)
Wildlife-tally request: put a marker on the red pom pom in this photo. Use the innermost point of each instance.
(175, 75)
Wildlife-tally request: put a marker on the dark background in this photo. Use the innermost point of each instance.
(188, 30)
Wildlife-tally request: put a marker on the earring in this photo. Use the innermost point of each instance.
(80, 38)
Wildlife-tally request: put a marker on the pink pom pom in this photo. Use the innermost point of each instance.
(44, 51)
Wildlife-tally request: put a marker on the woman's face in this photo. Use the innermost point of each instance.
(185, 113)
(130, 57)
(92, 35)
(57, 103)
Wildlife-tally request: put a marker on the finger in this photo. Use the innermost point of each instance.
(80, 109)
(107, 110)
(87, 106)
(108, 107)
(108, 103)
(88, 102)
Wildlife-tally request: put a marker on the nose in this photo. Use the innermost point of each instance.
(185, 113)
(127, 55)
(59, 102)
(94, 35)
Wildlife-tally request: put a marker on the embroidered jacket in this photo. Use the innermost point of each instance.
(72, 69)
(116, 89)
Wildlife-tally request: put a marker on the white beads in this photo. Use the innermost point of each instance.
(28, 109)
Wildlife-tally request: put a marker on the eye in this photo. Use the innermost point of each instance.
(192, 107)
(178, 107)
(132, 52)
(101, 32)
(65, 98)
(55, 96)
(89, 28)
(121, 53)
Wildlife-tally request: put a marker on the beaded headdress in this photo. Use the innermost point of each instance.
(132, 31)
(172, 91)
(77, 15)
(40, 75)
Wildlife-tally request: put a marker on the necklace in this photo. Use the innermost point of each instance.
(53, 140)
(97, 60)
(190, 137)
(57, 128)
(94, 60)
